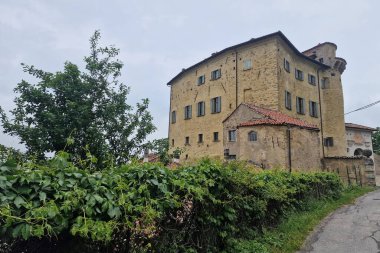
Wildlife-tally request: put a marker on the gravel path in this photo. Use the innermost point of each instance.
(354, 228)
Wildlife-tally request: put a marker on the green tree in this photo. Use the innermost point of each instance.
(81, 112)
(161, 148)
(376, 141)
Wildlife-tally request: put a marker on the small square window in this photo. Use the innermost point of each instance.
(300, 105)
(201, 80)
(200, 138)
(299, 74)
(247, 64)
(216, 74)
(311, 79)
(329, 142)
(286, 65)
(216, 136)
(232, 135)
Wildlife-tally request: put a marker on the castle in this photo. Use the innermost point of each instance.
(262, 101)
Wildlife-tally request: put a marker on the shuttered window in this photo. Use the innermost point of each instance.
(216, 105)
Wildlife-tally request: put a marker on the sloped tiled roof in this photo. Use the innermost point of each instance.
(352, 125)
(272, 117)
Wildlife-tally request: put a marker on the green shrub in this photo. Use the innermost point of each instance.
(147, 207)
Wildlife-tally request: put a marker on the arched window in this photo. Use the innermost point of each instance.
(358, 151)
(252, 136)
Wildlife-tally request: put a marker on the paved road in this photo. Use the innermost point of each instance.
(351, 229)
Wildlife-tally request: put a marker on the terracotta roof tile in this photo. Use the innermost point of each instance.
(275, 118)
(352, 125)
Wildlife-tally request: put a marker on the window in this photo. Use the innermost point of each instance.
(232, 135)
(200, 138)
(313, 109)
(188, 112)
(252, 136)
(288, 100)
(201, 80)
(216, 105)
(311, 79)
(216, 136)
(286, 65)
(216, 74)
(324, 83)
(300, 105)
(187, 140)
(299, 74)
(247, 64)
(201, 109)
(329, 142)
(174, 117)
(173, 142)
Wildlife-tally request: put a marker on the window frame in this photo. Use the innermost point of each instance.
(174, 117)
(201, 80)
(252, 134)
(188, 112)
(288, 100)
(313, 109)
(286, 65)
(324, 83)
(187, 140)
(311, 79)
(298, 74)
(216, 105)
(298, 107)
(201, 109)
(216, 74)
(328, 142)
(232, 133)
(247, 66)
(217, 136)
(200, 138)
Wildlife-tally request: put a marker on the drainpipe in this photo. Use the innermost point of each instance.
(289, 149)
(236, 78)
(320, 113)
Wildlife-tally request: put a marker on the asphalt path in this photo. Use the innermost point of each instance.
(350, 229)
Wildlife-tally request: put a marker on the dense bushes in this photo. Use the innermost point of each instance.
(145, 207)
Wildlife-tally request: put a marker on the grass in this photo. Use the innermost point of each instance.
(291, 233)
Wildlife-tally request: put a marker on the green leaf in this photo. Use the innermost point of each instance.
(18, 201)
(42, 196)
(114, 212)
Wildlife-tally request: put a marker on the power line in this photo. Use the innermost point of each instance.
(364, 107)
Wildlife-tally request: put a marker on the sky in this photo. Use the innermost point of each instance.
(159, 38)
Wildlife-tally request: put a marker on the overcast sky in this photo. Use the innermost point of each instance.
(159, 38)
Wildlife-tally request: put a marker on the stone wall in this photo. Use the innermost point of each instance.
(352, 170)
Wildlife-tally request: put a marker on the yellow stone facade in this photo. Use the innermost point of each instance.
(253, 72)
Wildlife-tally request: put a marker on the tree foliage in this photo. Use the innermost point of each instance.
(80, 111)
(376, 141)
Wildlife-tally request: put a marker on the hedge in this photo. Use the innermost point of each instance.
(57, 207)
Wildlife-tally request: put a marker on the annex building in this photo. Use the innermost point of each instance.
(263, 101)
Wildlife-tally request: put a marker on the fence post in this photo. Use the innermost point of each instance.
(348, 176)
(356, 175)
